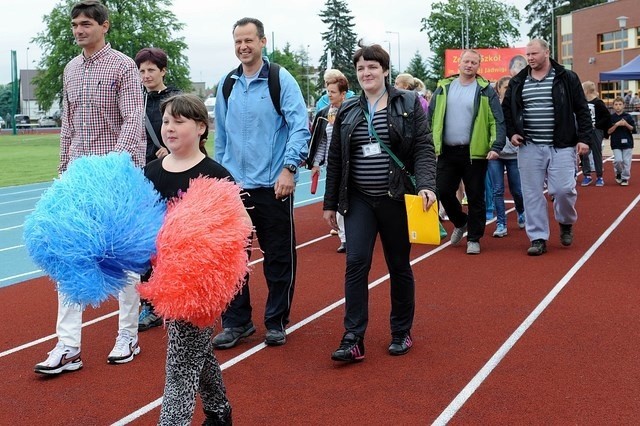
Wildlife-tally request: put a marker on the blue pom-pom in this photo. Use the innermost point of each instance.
(97, 221)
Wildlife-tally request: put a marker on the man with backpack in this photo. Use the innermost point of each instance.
(261, 138)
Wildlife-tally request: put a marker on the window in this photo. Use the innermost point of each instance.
(567, 46)
(614, 40)
(608, 91)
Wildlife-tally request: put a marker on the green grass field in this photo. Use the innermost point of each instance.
(34, 158)
(28, 158)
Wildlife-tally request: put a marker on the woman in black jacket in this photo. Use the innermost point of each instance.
(321, 133)
(367, 186)
(152, 64)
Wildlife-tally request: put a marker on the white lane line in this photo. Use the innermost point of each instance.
(11, 248)
(11, 227)
(257, 348)
(22, 192)
(19, 200)
(53, 336)
(16, 212)
(26, 274)
(493, 362)
(38, 341)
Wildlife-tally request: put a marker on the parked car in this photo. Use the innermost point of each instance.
(22, 120)
(47, 121)
(210, 103)
(2, 123)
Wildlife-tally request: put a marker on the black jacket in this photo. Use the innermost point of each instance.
(317, 133)
(602, 116)
(152, 102)
(571, 112)
(411, 142)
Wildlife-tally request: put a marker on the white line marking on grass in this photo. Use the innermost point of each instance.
(493, 362)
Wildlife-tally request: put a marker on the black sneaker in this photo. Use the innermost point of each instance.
(275, 337)
(351, 348)
(400, 343)
(537, 248)
(229, 337)
(618, 178)
(566, 235)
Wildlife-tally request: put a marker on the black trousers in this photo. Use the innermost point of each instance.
(455, 165)
(273, 222)
(367, 217)
(597, 156)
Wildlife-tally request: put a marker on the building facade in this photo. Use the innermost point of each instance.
(591, 41)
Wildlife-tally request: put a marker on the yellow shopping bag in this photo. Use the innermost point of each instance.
(424, 227)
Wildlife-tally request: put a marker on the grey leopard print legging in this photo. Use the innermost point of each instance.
(191, 367)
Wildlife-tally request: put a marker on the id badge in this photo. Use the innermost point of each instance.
(371, 149)
(624, 141)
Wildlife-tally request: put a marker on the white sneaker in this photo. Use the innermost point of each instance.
(125, 349)
(61, 358)
(473, 247)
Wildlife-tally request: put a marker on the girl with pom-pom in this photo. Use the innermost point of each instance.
(191, 365)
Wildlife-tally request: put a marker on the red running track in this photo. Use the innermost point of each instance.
(576, 362)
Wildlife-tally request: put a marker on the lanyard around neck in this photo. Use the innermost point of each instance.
(372, 111)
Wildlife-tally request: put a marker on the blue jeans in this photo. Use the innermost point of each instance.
(496, 171)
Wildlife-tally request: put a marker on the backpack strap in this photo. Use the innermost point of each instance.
(274, 86)
(273, 82)
(227, 86)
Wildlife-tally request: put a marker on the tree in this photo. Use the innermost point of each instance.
(6, 108)
(297, 63)
(134, 25)
(491, 24)
(539, 14)
(417, 67)
(339, 39)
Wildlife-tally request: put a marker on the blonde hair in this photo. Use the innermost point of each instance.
(409, 81)
(332, 74)
(589, 87)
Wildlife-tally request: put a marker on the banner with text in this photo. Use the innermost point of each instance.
(495, 63)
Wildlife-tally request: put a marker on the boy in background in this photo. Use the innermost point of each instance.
(622, 127)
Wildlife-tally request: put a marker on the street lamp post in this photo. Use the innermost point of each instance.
(622, 22)
(390, 61)
(553, 27)
(398, 35)
(27, 87)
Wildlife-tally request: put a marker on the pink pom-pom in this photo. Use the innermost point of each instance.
(201, 253)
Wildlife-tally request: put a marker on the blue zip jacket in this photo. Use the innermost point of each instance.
(252, 141)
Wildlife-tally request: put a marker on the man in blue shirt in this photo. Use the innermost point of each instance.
(262, 149)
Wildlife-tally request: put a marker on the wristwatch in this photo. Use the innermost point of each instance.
(291, 168)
